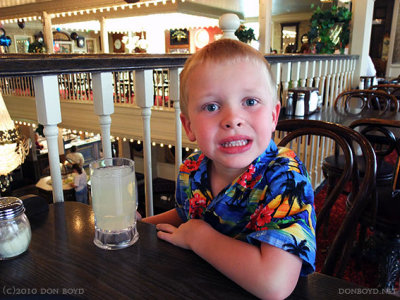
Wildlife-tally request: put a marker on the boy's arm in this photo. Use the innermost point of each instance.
(169, 217)
(266, 271)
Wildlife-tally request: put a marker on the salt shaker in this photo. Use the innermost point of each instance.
(299, 111)
(15, 230)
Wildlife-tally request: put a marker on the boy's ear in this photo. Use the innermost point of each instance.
(186, 125)
(275, 115)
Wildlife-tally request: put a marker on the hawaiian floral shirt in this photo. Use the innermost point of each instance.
(271, 202)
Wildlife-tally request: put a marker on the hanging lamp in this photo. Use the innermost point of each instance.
(13, 147)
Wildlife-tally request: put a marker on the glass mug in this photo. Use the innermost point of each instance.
(114, 201)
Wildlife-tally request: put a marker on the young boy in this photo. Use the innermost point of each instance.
(242, 204)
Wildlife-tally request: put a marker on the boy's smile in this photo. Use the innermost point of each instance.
(237, 144)
(231, 114)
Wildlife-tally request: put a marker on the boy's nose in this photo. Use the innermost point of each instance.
(231, 120)
(232, 124)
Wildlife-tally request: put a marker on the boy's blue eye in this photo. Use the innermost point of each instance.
(211, 107)
(250, 102)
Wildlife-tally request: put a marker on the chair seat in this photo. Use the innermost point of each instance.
(334, 165)
(387, 215)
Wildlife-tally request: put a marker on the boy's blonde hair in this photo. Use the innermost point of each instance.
(224, 50)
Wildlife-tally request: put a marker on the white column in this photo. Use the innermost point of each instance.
(265, 23)
(104, 107)
(144, 99)
(104, 36)
(361, 35)
(174, 95)
(47, 32)
(49, 115)
(228, 24)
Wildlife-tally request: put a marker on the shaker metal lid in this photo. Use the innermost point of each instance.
(10, 207)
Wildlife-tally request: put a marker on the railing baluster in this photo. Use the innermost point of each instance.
(49, 115)
(343, 76)
(295, 74)
(286, 70)
(130, 82)
(318, 76)
(276, 71)
(174, 96)
(104, 107)
(311, 74)
(338, 78)
(353, 69)
(144, 99)
(328, 83)
(333, 89)
(303, 73)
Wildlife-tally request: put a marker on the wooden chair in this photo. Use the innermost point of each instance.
(317, 135)
(395, 80)
(358, 102)
(390, 88)
(383, 217)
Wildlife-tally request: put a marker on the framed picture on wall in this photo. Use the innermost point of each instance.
(90, 45)
(22, 43)
(62, 47)
(179, 37)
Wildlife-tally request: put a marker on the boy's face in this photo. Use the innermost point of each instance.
(231, 114)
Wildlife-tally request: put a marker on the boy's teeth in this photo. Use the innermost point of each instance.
(235, 143)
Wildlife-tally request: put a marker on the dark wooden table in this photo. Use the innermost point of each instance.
(329, 114)
(63, 261)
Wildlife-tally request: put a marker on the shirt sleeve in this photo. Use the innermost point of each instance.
(287, 218)
(183, 186)
(180, 196)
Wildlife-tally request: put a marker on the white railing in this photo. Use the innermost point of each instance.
(331, 74)
(108, 81)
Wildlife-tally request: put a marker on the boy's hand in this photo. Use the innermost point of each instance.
(180, 236)
(138, 216)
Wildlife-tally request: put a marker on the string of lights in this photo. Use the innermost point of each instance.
(93, 10)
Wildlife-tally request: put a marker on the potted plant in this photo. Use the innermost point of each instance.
(38, 45)
(330, 29)
(245, 35)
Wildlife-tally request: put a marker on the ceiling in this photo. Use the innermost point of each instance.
(168, 13)
(248, 8)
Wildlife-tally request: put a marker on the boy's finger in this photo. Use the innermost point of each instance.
(166, 228)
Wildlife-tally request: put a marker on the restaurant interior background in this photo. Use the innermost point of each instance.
(144, 27)
(154, 27)
(173, 26)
